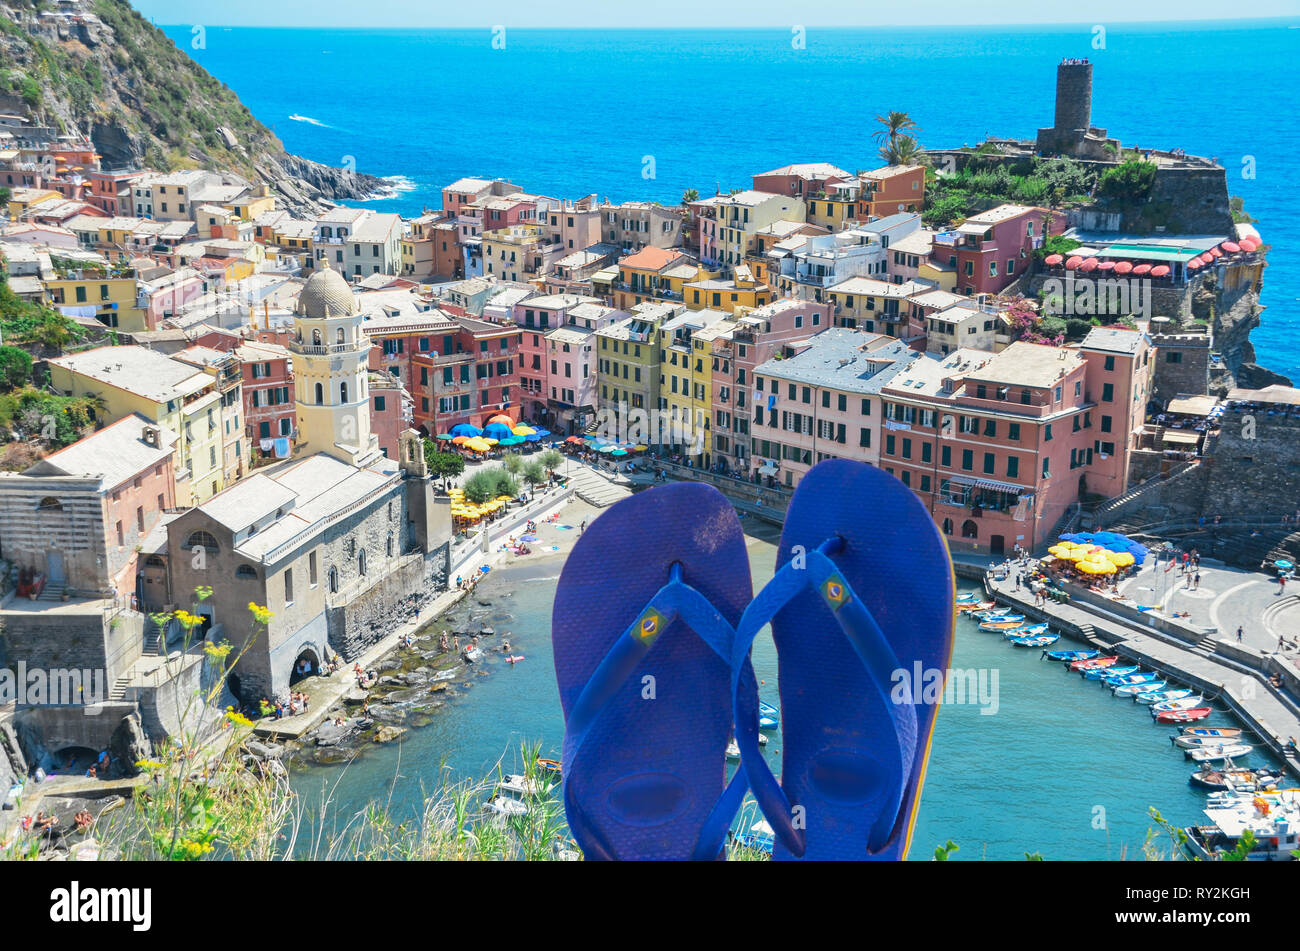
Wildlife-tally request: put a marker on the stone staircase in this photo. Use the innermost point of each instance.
(53, 591)
(594, 489)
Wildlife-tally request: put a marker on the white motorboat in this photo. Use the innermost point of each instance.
(1213, 754)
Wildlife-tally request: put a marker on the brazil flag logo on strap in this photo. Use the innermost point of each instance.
(649, 626)
(835, 591)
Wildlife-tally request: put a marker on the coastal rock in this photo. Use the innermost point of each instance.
(265, 751)
(384, 713)
(129, 745)
(386, 733)
(439, 687)
(409, 695)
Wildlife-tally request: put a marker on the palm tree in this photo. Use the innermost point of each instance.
(897, 145)
(689, 196)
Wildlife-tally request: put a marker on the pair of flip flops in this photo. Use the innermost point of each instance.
(653, 623)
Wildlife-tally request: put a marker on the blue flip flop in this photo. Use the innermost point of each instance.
(642, 630)
(862, 600)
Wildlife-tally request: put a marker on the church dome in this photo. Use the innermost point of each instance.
(326, 294)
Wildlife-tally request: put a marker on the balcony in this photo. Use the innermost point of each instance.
(324, 350)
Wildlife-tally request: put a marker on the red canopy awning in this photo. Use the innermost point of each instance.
(1106, 266)
(1213, 252)
(1249, 244)
(1192, 265)
(1142, 269)
(1073, 262)
(1232, 247)
(1089, 265)
(1160, 270)
(1053, 259)
(1123, 267)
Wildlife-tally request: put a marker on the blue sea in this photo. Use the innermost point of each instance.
(647, 114)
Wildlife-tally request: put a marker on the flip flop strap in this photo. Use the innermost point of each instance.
(878, 659)
(676, 599)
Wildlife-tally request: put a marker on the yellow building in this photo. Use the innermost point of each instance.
(655, 274)
(833, 213)
(514, 253)
(744, 290)
(874, 306)
(685, 381)
(258, 201)
(21, 200)
(115, 299)
(180, 397)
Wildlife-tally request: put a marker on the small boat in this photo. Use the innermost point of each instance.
(1183, 716)
(768, 716)
(1097, 673)
(733, 750)
(1191, 741)
(1036, 640)
(1216, 753)
(1182, 703)
(760, 837)
(1095, 662)
(1272, 818)
(1156, 698)
(1005, 624)
(1233, 731)
(973, 606)
(506, 806)
(1028, 630)
(1116, 679)
(1071, 655)
(549, 767)
(518, 785)
(967, 597)
(1142, 686)
(997, 614)
(1243, 780)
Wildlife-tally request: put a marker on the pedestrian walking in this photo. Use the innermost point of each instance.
(1238, 633)
(1197, 585)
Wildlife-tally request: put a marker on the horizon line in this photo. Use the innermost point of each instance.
(1179, 23)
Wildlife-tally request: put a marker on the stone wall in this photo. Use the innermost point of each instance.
(65, 637)
(1256, 464)
(1189, 375)
(395, 599)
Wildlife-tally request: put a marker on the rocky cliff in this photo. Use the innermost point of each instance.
(108, 73)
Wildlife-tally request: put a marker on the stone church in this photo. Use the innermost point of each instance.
(339, 541)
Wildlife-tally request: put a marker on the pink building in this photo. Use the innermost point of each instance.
(268, 392)
(800, 181)
(824, 402)
(758, 336)
(570, 364)
(391, 412)
(993, 248)
(1119, 383)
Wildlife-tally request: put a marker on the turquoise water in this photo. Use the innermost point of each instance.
(570, 112)
(1062, 767)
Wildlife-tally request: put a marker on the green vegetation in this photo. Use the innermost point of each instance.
(513, 464)
(985, 182)
(552, 459)
(897, 140)
(1129, 183)
(1057, 244)
(534, 473)
(15, 367)
(442, 465)
(1236, 204)
(25, 322)
(488, 484)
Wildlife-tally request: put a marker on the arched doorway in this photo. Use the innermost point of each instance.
(306, 664)
(969, 529)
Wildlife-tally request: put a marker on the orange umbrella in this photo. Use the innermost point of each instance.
(500, 418)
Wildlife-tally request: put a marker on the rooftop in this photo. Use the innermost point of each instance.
(137, 370)
(1029, 364)
(843, 359)
(114, 454)
(1113, 340)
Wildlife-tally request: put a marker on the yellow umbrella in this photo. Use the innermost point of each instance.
(1060, 551)
(477, 444)
(1096, 566)
(489, 440)
(524, 431)
(505, 498)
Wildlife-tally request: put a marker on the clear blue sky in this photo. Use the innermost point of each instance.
(688, 13)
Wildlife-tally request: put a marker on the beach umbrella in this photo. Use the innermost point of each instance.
(533, 438)
(619, 452)
(512, 441)
(1160, 270)
(1052, 260)
(1142, 269)
(1073, 262)
(1231, 247)
(1106, 266)
(607, 448)
(1123, 267)
(465, 429)
(1120, 559)
(1213, 252)
(446, 436)
(1249, 244)
(1192, 265)
(1283, 564)
(497, 430)
(461, 440)
(1089, 265)
(541, 433)
(574, 439)
(640, 448)
(1058, 551)
(501, 418)
(523, 430)
(478, 445)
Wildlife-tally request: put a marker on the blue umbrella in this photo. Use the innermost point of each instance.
(542, 433)
(533, 438)
(498, 431)
(465, 429)
(1283, 563)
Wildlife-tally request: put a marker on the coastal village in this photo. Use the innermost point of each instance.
(225, 395)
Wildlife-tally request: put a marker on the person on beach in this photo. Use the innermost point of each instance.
(582, 528)
(442, 642)
(455, 642)
(1238, 633)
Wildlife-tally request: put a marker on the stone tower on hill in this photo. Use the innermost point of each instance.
(1072, 133)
